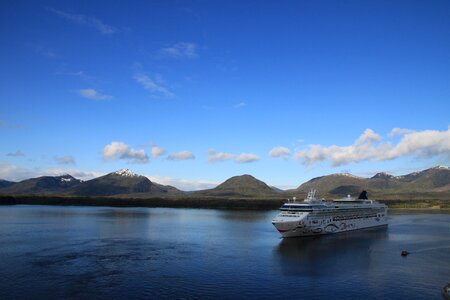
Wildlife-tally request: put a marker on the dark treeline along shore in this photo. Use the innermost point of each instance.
(424, 189)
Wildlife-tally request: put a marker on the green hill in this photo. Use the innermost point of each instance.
(240, 186)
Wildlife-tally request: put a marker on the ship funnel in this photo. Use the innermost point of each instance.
(363, 195)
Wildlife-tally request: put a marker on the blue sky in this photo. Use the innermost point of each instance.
(191, 93)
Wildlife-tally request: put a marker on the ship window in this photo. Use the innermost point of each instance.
(296, 208)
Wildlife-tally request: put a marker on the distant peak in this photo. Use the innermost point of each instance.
(125, 173)
(441, 168)
(245, 176)
(383, 175)
(65, 176)
(345, 174)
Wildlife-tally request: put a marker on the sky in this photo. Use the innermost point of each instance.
(190, 93)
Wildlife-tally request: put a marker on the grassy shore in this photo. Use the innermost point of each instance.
(418, 203)
(197, 202)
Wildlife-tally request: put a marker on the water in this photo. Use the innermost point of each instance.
(113, 253)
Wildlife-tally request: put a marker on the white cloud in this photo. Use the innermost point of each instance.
(240, 105)
(65, 160)
(93, 94)
(182, 155)
(44, 51)
(115, 150)
(86, 77)
(368, 136)
(180, 50)
(368, 146)
(214, 156)
(119, 150)
(399, 131)
(280, 151)
(157, 151)
(155, 86)
(246, 158)
(363, 149)
(426, 143)
(85, 21)
(183, 184)
(16, 154)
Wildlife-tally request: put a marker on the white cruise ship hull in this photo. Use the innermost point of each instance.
(291, 228)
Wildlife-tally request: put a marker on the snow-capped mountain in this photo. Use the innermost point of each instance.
(43, 184)
(120, 182)
(125, 173)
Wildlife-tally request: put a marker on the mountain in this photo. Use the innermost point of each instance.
(42, 185)
(6, 183)
(244, 185)
(383, 181)
(332, 182)
(120, 182)
(435, 179)
(430, 180)
(431, 183)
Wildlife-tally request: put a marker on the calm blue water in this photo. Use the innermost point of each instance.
(113, 253)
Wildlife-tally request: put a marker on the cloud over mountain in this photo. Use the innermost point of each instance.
(369, 146)
(16, 173)
(183, 184)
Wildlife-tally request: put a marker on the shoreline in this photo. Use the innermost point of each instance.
(201, 202)
(415, 209)
(218, 203)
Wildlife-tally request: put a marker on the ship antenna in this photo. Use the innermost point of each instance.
(311, 196)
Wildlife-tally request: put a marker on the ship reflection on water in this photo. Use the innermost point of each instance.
(329, 254)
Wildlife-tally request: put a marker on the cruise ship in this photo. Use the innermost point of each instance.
(314, 216)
